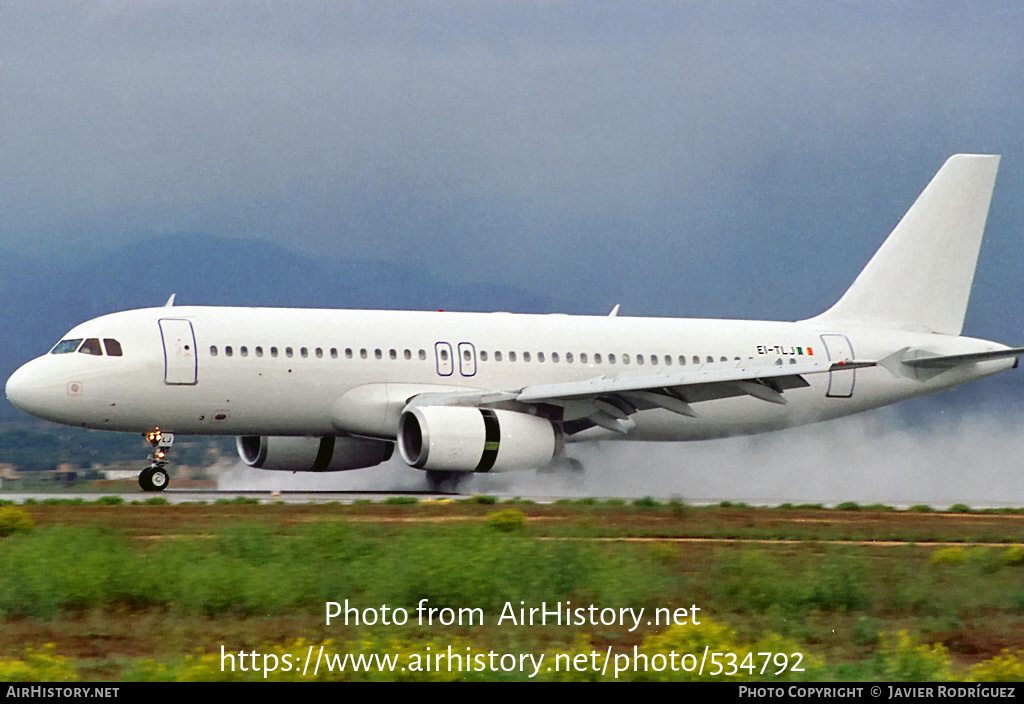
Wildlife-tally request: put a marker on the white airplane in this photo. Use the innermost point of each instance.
(326, 390)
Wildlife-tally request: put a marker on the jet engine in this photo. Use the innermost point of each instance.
(460, 439)
(301, 454)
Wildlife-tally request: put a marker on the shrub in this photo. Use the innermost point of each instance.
(665, 553)
(678, 508)
(111, 501)
(921, 508)
(483, 499)
(848, 506)
(647, 502)
(689, 644)
(14, 519)
(959, 508)
(38, 666)
(1014, 555)
(949, 556)
(1005, 667)
(902, 659)
(506, 520)
(401, 500)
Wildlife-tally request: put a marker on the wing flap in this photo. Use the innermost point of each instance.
(704, 384)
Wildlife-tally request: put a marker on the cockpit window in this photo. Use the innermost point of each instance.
(65, 346)
(91, 346)
(113, 347)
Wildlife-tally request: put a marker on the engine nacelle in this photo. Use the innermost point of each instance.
(459, 439)
(326, 454)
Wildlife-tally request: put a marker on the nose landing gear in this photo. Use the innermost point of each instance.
(154, 477)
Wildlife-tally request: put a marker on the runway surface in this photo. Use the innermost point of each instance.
(180, 496)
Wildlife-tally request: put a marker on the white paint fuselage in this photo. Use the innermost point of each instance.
(303, 394)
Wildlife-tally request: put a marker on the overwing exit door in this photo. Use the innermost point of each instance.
(443, 353)
(179, 351)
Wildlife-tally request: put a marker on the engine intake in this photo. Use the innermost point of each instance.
(460, 439)
(326, 454)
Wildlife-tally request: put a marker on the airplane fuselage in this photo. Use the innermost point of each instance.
(276, 372)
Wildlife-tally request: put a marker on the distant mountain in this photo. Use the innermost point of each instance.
(41, 300)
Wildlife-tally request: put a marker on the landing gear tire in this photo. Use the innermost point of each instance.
(444, 482)
(158, 479)
(153, 479)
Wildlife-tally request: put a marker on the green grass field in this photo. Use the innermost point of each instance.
(109, 591)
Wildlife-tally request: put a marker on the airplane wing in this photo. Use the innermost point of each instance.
(609, 400)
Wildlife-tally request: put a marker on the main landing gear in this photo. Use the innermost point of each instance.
(154, 477)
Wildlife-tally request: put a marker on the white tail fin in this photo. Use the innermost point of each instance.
(920, 278)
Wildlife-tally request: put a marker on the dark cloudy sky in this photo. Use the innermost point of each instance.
(683, 158)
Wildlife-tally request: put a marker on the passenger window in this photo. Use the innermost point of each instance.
(554, 357)
(362, 353)
(483, 355)
(583, 357)
(540, 356)
(213, 350)
(526, 356)
(304, 352)
(65, 346)
(597, 358)
(465, 355)
(273, 352)
(668, 360)
(639, 359)
(711, 359)
(393, 354)
(568, 357)
(724, 359)
(497, 356)
(334, 353)
(654, 359)
(113, 347)
(348, 353)
(511, 356)
(444, 355)
(259, 351)
(696, 359)
(288, 352)
(378, 354)
(625, 359)
(611, 359)
(91, 346)
(319, 353)
(408, 354)
(228, 351)
(244, 351)
(423, 354)
(682, 361)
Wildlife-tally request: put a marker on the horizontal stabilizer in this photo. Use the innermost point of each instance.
(952, 360)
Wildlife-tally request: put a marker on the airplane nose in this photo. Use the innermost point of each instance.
(24, 388)
(17, 388)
